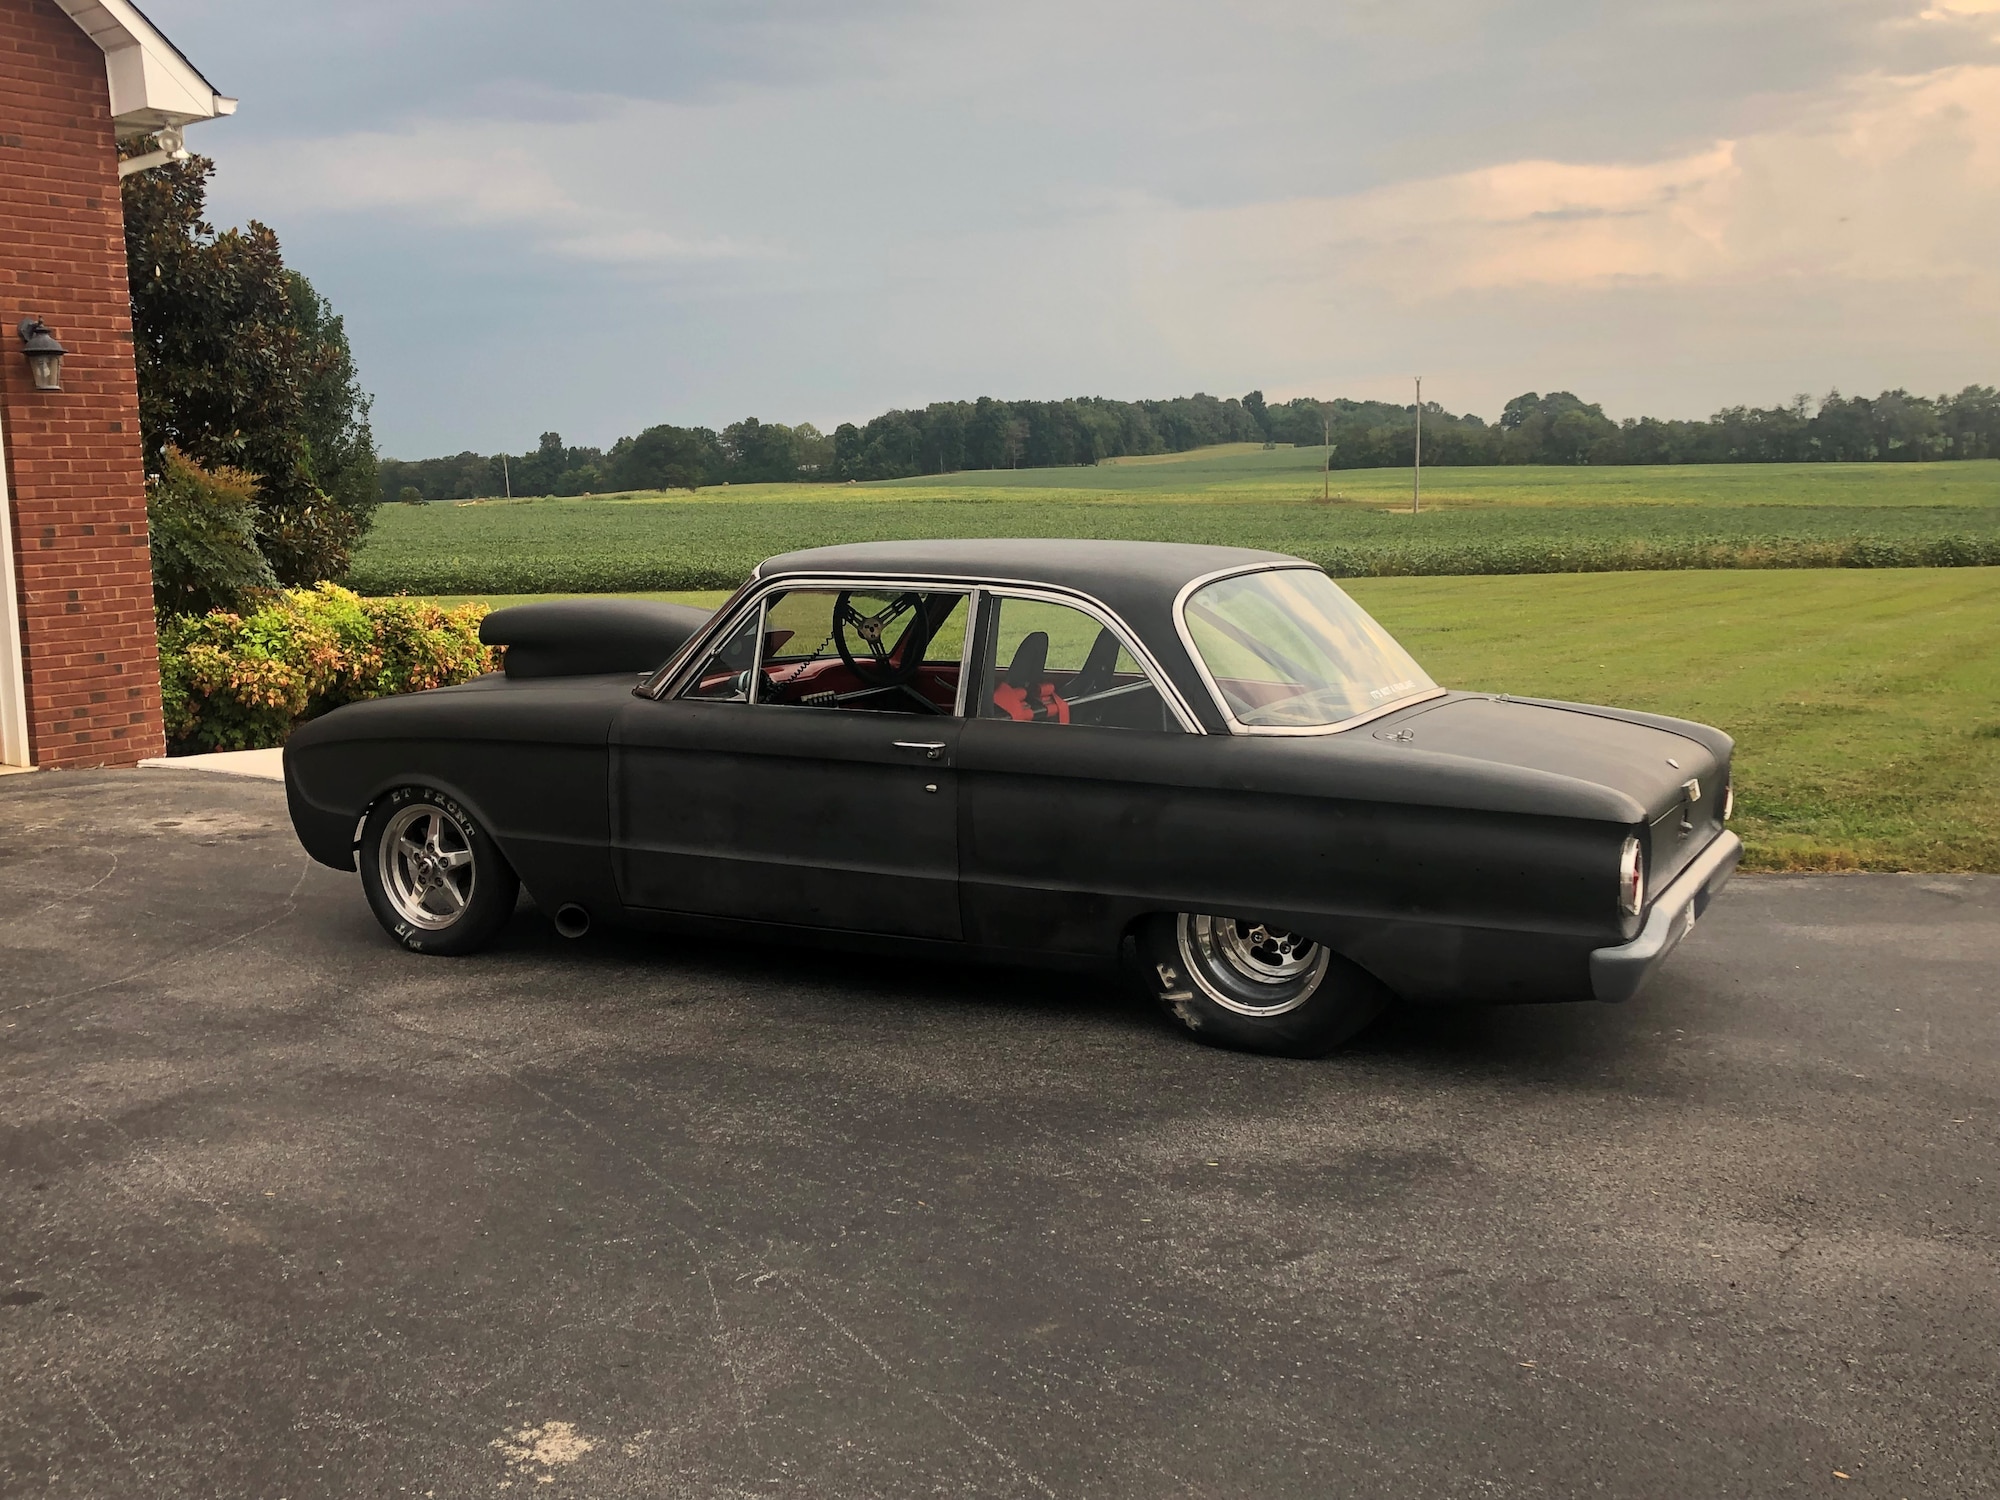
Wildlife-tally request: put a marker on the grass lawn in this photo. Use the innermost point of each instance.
(1500, 520)
(1865, 704)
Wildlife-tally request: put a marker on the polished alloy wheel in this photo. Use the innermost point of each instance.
(426, 866)
(1252, 968)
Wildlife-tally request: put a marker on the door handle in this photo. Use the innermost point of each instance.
(932, 748)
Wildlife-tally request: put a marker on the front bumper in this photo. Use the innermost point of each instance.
(1617, 973)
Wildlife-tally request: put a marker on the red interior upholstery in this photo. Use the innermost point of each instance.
(791, 682)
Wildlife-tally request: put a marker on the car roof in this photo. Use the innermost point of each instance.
(1090, 567)
(1137, 581)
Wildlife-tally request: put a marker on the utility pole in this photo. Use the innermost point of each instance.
(1417, 473)
(506, 478)
(1326, 474)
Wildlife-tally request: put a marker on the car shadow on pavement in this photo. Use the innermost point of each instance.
(776, 966)
(1549, 1041)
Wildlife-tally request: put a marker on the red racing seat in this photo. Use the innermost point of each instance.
(1025, 692)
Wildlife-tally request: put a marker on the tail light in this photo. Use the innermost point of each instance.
(1728, 800)
(1631, 878)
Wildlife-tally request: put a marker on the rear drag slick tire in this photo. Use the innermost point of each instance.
(1255, 986)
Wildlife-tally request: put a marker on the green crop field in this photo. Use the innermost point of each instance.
(1865, 705)
(1501, 520)
(1242, 470)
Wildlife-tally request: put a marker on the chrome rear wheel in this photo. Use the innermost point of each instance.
(1256, 985)
(1251, 968)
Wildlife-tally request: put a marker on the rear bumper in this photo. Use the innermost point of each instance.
(1617, 973)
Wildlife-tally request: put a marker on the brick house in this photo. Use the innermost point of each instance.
(79, 670)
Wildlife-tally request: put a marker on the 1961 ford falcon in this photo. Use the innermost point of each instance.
(1207, 763)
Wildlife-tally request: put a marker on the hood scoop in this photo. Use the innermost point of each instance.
(587, 637)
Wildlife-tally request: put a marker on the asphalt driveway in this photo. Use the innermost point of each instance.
(288, 1212)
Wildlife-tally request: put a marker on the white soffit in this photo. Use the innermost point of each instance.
(152, 85)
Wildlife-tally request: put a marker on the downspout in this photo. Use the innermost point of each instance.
(13, 675)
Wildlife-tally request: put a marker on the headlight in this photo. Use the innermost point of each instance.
(1631, 878)
(1728, 800)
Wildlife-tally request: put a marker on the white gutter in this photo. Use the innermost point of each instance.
(154, 88)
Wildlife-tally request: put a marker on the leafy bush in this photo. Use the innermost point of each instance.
(203, 527)
(241, 681)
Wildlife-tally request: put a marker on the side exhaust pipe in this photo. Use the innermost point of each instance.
(572, 921)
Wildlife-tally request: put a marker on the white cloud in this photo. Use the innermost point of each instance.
(653, 247)
(451, 177)
(1870, 222)
(1895, 178)
(568, 190)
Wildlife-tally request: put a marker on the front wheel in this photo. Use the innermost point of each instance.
(435, 879)
(1256, 985)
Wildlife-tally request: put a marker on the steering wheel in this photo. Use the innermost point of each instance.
(875, 664)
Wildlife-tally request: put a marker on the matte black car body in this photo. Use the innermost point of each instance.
(1462, 847)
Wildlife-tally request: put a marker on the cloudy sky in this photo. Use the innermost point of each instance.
(597, 215)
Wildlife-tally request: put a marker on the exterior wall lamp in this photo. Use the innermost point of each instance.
(45, 355)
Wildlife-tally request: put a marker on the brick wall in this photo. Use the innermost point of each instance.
(73, 460)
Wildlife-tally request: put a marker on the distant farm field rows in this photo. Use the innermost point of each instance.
(1494, 521)
(1293, 474)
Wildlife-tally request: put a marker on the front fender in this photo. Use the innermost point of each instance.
(329, 824)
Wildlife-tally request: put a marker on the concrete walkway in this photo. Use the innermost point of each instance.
(265, 765)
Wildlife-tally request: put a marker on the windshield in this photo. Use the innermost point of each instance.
(1289, 650)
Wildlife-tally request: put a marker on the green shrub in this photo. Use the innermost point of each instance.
(203, 528)
(241, 681)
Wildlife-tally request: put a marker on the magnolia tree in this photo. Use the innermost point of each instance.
(244, 367)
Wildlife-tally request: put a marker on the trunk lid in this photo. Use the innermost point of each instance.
(1678, 779)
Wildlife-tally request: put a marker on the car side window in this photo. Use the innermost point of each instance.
(1048, 663)
(882, 650)
(726, 675)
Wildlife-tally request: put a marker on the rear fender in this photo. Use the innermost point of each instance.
(1433, 962)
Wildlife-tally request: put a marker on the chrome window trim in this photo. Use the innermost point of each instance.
(1290, 731)
(655, 686)
(711, 640)
(757, 651)
(975, 600)
(759, 586)
(1163, 684)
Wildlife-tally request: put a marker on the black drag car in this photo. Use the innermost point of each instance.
(1206, 763)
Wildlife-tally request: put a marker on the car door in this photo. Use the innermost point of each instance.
(779, 787)
(1082, 787)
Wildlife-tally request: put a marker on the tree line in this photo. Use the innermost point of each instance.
(952, 436)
